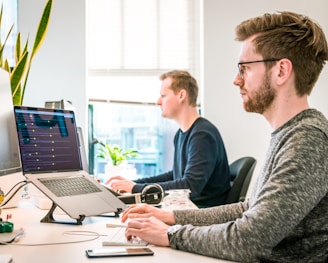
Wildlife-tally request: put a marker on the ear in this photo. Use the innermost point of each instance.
(284, 70)
(182, 95)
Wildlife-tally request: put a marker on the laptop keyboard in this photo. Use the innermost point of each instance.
(69, 186)
(116, 237)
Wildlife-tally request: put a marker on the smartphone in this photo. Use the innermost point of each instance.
(118, 252)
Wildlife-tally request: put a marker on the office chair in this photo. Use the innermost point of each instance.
(241, 172)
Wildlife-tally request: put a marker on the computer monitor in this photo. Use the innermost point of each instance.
(10, 168)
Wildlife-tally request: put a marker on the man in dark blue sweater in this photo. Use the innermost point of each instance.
(200, 161)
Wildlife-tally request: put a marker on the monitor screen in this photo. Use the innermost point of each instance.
(9, 157)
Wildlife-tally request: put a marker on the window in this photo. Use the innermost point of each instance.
(129, 44)
(135, 126)
(9, 18)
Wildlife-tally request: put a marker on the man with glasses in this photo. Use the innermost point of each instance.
(285, 218)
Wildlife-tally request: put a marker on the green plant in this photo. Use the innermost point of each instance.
(20, 71)
(115, 153)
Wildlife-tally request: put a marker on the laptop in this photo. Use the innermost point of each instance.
(51, 161)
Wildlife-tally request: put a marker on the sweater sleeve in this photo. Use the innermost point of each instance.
(290, 187)
(209, 216)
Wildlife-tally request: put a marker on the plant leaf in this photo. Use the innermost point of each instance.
(42, 28)
(4, 43)
(16, 77)
(40, 35)
(18, 47)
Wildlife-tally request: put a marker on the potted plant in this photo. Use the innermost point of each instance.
(115, 154)
(115, 157)
(20, 71)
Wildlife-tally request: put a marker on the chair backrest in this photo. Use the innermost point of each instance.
(241, 172)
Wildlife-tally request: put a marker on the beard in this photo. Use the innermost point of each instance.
(262, 98)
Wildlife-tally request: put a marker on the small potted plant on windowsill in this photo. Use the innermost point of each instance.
(115, 157)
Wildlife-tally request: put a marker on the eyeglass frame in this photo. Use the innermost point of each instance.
(240, 71)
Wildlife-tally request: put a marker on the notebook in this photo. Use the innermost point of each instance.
(51, 160)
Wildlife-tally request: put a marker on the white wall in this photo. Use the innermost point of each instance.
(245, 133)
(58, 71)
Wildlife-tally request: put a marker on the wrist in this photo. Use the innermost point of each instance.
(167, 217)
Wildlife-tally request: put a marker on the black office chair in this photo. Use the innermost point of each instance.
(241, 172)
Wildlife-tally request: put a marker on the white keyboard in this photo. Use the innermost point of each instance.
(116, 237)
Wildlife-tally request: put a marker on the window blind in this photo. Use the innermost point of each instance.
(142, 34)
(132, 42)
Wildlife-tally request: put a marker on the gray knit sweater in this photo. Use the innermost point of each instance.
(286, 217)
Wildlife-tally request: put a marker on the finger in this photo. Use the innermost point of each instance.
(114, 178)
(137, 223)
(126, 212)
(137, 216)
(134, 227)
(116, 185)
(110, 181)
(131, 233)
(136, 211)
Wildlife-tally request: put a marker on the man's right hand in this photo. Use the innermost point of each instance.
(120, 184)
(147, 211)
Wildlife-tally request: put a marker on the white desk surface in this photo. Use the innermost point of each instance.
(28, 217)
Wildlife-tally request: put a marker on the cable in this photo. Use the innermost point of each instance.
(11, 189)
(93, 235)
(15, 192)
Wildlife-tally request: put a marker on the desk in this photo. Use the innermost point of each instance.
(27, 216)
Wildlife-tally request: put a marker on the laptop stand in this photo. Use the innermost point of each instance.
(49, 218)
(116, 214)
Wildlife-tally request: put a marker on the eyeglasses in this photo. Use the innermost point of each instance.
(241, 69)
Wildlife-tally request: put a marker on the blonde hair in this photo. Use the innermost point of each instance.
(183, 80)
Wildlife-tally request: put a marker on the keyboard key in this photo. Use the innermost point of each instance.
(69, 186)
(116, 237)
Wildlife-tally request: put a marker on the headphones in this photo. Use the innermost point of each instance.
(152, 194)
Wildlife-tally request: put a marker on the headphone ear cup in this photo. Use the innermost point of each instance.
(152, 194)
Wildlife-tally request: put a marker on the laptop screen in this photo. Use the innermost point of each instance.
(48, 140)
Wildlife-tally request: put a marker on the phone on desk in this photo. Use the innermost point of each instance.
(118, 252)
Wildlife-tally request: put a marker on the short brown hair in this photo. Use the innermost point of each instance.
(183, 80)
(293, 36)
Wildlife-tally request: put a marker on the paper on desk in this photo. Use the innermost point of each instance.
(6, 258)
(11, 236)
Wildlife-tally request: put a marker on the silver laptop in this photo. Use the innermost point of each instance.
(51, 160)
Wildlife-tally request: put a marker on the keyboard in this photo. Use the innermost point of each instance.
(116, 237)
(69, 186)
